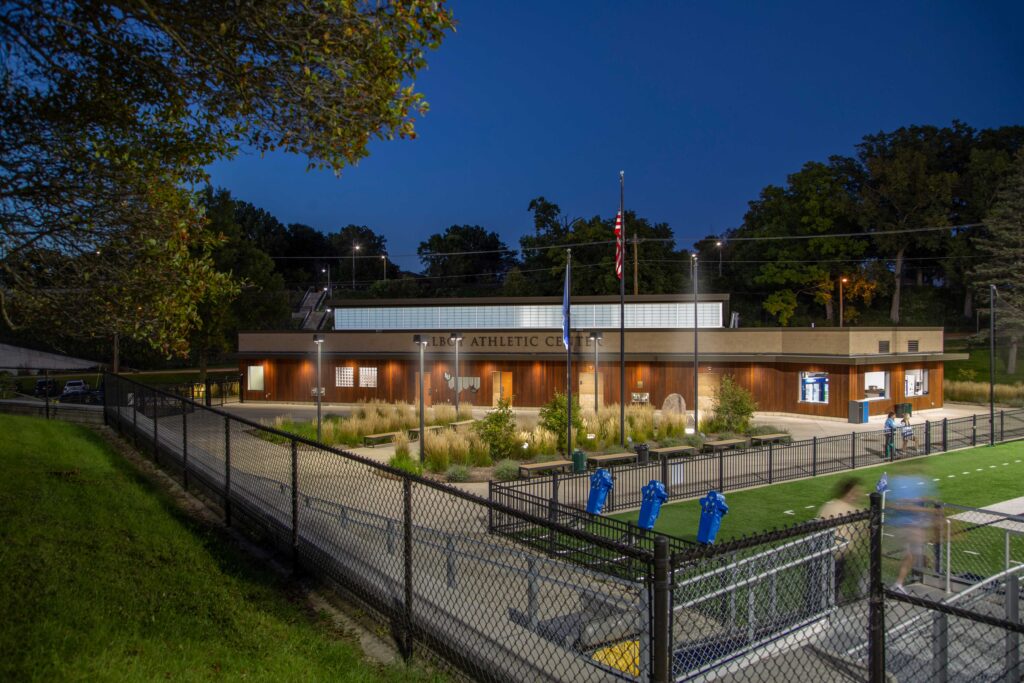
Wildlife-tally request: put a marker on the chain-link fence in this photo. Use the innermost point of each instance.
(515, 589)
(691, 476)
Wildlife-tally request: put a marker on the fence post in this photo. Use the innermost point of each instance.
(945, 425)
(721, 471)
(206, 391)
(814, 456)
(106, 420)
(553, 512)
(876, 599)
(853, 450)
(46, 391)
(241, 387)
(927, 437)
(184, 443)
(660, 645)
(664, 471)
(407, 573)
(135, 417)
(940, 647)
(490, 506)
(295, 505)
(974, 430)
(771, 461)
(227, 470)
(1002, 425)
(1012, 637)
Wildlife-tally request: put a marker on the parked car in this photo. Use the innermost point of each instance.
(75, 397)
(45, 387)
(75, 386)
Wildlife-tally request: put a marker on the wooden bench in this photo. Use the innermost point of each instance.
(667, 451)
(462, 423)
(530, 468)
(768, 438)
(414, 433)
(608, 458)
(371, 440)
(722, 444)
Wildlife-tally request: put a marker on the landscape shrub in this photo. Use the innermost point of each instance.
(734, 407)
(457, 473)
(640, 422)
(401, 443)
(672, 425)
(404, 463)
(554, 417)
(479, 451)
(458, 447)
(435, 451)
(465, 411)
(444, 414)
(498, 430)
(506, 470)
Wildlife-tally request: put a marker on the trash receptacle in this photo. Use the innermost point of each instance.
(654, 495)
(858, 414)
(643, 453)
(600, 484)
(904, 410)
(579, 461)
(712, 509)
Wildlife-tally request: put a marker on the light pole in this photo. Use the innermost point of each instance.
(719, 245)
(421, 341)
(991, 365)
(696, 362)
(328, 271)
(355, 248)
(318, 339)
(842, 281)
(455, 338)
(384, 260)
(595, 337)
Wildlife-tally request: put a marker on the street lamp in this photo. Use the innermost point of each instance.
(455, 338)
(384, 260)
(318, 339)
(421, 341)
(328, 271)
(595, 337)
(842, 281)
(991, 365)
(355, 248)
(696, 362)
(719, 245)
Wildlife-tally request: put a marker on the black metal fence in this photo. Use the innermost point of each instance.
(577, 598)
(690, 476)
(212, 392)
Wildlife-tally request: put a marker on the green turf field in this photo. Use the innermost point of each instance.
(104, 579)
(974, 477)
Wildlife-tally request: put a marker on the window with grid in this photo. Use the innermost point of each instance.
(368, 377)
(344, 377)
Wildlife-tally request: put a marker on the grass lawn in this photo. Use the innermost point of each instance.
(104, 578)
(978, 363)
(756, 510)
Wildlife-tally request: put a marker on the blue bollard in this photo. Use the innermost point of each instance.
(654, 495)
(712, 509)
(600, 484)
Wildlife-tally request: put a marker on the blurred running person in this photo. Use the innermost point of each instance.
(848, 498)
(911, 512)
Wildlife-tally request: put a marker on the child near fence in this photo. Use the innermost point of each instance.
(907, 432)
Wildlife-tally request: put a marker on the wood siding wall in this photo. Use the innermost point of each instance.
(775, 386)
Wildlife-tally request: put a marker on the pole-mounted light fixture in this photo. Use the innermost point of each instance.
(595, 337)
(421, 341)
(318, 339)
(456, 339)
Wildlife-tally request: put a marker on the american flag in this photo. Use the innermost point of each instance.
(618, 245)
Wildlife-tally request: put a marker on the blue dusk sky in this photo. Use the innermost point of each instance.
(701, 104)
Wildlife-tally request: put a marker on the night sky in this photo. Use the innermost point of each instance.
(701, 106)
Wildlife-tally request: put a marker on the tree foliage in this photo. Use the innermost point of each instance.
(554, 417)
(463, 257)
(108, 111)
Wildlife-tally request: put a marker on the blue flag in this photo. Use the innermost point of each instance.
(883, 483)
(565, 308)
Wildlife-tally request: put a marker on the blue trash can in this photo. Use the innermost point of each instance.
(654, 496)
(712, 509)
(600, 484)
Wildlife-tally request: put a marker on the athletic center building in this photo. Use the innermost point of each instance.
(512, 347)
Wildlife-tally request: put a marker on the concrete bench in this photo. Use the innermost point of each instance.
(609, 458)
(414, 433)
(371, 440)
(768, 438)
(723, 444)
(528, 469)
(668, 451)
(457, 426)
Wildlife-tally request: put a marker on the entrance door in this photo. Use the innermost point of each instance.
(707, 389)
(501, 386)
(426, 390)
(586, 390)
